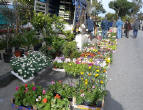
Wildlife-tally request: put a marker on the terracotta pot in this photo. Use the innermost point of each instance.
(17, 53)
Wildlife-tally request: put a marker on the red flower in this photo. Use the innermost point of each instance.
(26, 85)
(34, 88)
(44, 100)
(57, 96)
(17, 88)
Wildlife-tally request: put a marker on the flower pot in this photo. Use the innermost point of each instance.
(98, 106)
(7, 57)
(17, 53)
(17, 107)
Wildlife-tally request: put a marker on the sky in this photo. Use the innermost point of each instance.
(106, 7)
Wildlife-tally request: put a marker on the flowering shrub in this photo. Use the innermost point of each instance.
(26, 95)
(28, 65)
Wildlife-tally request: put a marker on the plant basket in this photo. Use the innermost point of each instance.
(86, 107)
(21, 78)
(17, 107)
(58, 69)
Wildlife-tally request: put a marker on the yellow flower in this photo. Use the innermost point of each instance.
(70, 64)
(101, 82)
(90, 60)
(89, 74)
(97, 70)
(96, 75)
(81, 78)
(81, 73)
(77, 29)
(89, 67)
(108, 60)
(86, 82)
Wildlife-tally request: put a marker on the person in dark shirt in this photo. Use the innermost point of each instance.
(127, 28)
(104, 26)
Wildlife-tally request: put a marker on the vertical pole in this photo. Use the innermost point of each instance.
(90, 2)
(35, 5)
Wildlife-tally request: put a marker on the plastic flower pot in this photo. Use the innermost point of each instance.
(98, 106)
(17, 107)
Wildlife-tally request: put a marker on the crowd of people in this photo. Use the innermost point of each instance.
(120, 27)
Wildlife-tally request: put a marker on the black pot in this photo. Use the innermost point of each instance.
(7, 57)
(37, 47)
(70, 99)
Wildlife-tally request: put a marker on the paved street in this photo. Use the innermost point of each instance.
(126, 73)
(125, 89)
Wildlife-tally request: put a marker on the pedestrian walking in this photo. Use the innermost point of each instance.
(119, 25)
(127, 28)
(135, 28)
(90, 26)
(104, 26)
(114, 26)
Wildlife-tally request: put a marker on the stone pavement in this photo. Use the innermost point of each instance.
(4, 67)
(125, 89)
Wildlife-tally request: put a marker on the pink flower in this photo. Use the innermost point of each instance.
(34, 88)
(60, 81)
(26, 90)
(17, 88)
(93, 87)
(77, 62)
(82, 95)
(52, 82)
(44, 91)
(110, 30)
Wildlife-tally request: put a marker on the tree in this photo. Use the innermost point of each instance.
(96, 8)
(122, 7)
(111, 16)
(137, 5)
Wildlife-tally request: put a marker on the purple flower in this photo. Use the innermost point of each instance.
(62, 58)
(17, 88)
(34, 88)
(52, 82)
(90, 64)
(71, 84)
(82, 95)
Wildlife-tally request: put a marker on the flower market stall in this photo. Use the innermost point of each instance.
(84, 63)
(86, 93)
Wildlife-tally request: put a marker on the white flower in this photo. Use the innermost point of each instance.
(37, 100)
(19, 70)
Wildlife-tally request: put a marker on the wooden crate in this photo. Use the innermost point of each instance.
(84, 107)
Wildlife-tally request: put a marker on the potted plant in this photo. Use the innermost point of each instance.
(26, 96)
(26, 67)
